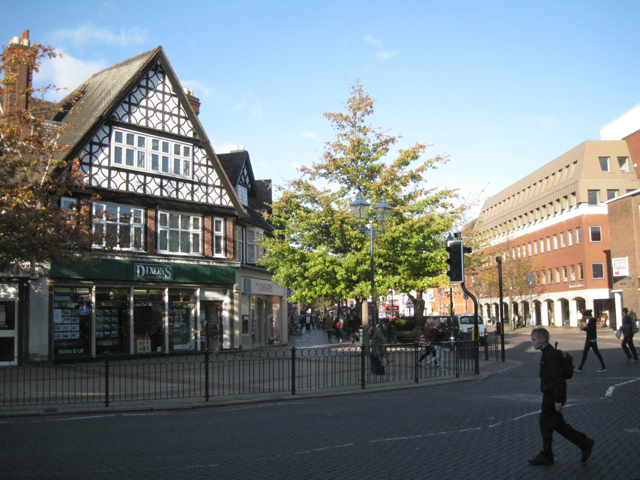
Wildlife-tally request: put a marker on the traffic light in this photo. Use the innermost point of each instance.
(455, 261)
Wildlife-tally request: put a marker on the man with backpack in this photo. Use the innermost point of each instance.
(629, 327)
(554, 394)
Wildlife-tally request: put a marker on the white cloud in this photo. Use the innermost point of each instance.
(370, 39)
(66, 71)
(386, 54)
(89, 33)
(311, 135)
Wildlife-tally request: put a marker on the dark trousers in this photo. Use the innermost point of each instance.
(587, 345)
(552, 421)
(627, 344)
(427, 352)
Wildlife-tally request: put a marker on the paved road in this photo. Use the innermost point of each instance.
(473, 430)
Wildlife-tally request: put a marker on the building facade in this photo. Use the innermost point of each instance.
(177, 237)
(556, 220)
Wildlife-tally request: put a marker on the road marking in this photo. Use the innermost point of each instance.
(613, 387)
(395, 439)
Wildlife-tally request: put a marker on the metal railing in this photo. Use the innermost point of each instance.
(205, 375)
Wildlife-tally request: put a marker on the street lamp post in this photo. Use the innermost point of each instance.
(359, 208)
(530, 278)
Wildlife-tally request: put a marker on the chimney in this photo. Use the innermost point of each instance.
(17, 94)
(193, 101)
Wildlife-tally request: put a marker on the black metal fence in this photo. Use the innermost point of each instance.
(205, 375)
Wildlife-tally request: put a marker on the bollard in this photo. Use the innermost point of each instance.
(363, 365)
(486, 346)
(415, 362)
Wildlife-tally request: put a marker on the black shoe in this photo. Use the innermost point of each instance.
(586, 451)
(542, 459)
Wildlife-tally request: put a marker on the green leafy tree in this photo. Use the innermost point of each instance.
(320, 250)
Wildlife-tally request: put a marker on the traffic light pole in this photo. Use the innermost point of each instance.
(476, 331)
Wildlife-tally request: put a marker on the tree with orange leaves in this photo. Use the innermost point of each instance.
(34, 174)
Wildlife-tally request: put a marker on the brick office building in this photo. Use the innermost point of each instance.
(556, 218)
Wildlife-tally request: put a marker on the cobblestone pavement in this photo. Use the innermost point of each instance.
(485, 428)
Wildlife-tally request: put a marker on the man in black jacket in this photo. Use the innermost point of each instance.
(554, 395)
(591, 342)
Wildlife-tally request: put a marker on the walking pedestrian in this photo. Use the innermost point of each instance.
(436, 341)
(554, 394)
(428, 346)
(591, 341)
(328, 326)
(628, 325)
(377, 350)
(308, 323)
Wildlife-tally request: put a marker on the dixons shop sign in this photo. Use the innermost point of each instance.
(253, 286)
(142, 271)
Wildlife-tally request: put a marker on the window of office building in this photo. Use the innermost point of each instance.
(557, 274)
(604, 164)
(541, 245)
(623, 162)
(570, 237)
(611, 194)
(597, 271)
(564, 274)
(593, 197)
(535, 247)
(580, 272)
(548, 244)
(573, 273)
(578, 235)
(555, 241)
(595, 233)
(563, 242)
(550, 277)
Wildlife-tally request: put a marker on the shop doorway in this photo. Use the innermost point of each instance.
(8, 334)
(148, 324)
(210, 325)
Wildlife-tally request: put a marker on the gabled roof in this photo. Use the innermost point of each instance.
(99, 96)
(259, 192)
(234, 163)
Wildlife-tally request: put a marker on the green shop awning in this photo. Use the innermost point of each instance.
(138, 271)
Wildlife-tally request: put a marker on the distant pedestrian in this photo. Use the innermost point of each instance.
(337, 330)
(436, 340)
(328, 326)
(628, 324)
(428, 345)
(554, 394)
(377, 350)
(591, 341)
(308, 323)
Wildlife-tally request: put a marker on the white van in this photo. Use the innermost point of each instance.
(465, 323)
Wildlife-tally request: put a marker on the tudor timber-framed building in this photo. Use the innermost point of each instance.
(556, 218)
(183, 276)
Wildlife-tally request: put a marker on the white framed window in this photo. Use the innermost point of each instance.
(548, 244)
(595, 233)
(179, 233)
(118, 226)
(611, 194)
(151, 154)
(623, 162)
(550, 277)
(254, 252)
(557, 274)
(573, 273)
(242, 195)
(605, 166)
(593, 197)
(218, 237)
(564, 274)
(578, 235)
(67, 203)
(555, 241)
(541, 246)
(563, 242)
(597, 271)
(535, 247)
(570, 237)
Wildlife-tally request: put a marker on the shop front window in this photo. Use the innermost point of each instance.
(112, 320)
(71, 321)
(148, 324)
(182, 305)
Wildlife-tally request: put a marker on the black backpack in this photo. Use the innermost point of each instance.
(566, 363)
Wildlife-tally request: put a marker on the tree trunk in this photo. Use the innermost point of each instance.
(418, 309)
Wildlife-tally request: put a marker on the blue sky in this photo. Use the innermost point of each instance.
(501, 87)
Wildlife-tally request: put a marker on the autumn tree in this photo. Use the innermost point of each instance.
(322, 252)
(34, 175)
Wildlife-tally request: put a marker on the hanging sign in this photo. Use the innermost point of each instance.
(620, 266)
